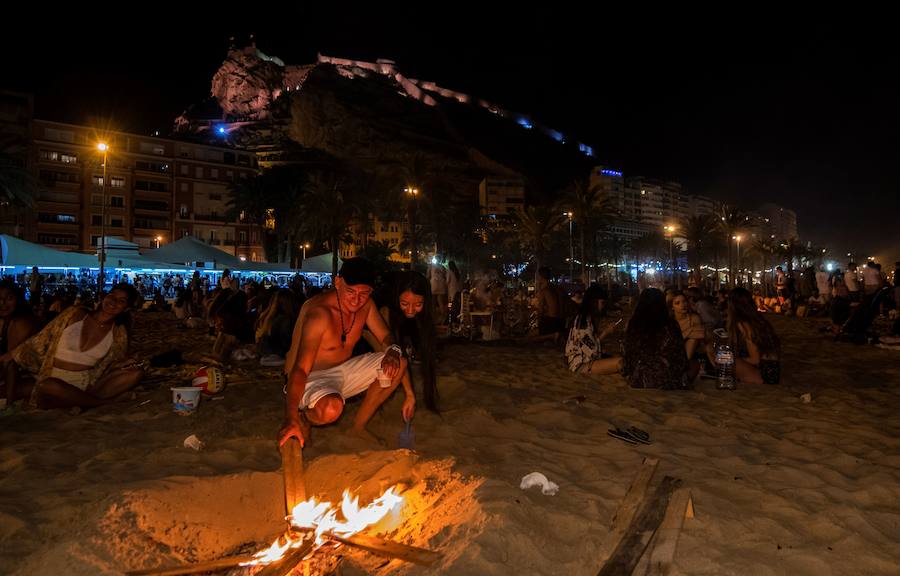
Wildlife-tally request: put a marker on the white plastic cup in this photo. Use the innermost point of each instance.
(383, 379)
(185, 399)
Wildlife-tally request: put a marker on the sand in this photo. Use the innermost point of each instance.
(780, 486)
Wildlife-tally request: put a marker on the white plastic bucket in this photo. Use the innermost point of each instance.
(185, 399)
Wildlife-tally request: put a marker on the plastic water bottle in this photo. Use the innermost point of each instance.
(724, 366)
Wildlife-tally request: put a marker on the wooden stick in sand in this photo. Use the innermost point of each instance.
(389, 548)
(294, 484)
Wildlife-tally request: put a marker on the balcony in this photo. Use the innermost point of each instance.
(211, 217)
(145, 224)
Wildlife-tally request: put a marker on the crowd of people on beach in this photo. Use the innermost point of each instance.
(370, 334)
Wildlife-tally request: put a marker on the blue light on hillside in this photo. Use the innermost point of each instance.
(611, 173)
(525, 122)
(586, 149)
(556, 136)
(220, 130)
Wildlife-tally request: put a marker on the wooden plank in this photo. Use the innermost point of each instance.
(631, 547)
(210, 566)
(292, 468)
(389, 548)
(657, 560)
(633, 498)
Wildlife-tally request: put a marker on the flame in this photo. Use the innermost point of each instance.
(322, 518)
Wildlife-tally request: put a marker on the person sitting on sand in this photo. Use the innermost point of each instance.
(276, 323)
(654, 348)
(320, 371)
(232, 325)
(583, 352)
(690, 323)
(550, 319)
(753, 339)
(408, 315)
(18, 325)
(708, 312)
(79, 357)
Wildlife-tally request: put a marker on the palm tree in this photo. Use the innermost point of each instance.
(764, 248)
(732, 222)
(249, 199)
(700, 233)
(379, 253)
(789, 249)
(650, 246)
(535, 224)
(329, 209)
(18, 188)
(588, 204)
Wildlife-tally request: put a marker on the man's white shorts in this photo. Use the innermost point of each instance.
(347, 379)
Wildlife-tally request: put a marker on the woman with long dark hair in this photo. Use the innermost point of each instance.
(654, 348)
(409, 316)
(583, 353)
(690, 324)
(755, 342)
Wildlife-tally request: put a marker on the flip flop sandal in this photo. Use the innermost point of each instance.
(639, 435)
(622, 435)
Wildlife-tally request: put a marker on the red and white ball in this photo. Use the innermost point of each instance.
(210, 379)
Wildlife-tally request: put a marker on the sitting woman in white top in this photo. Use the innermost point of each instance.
(588, 330)
(79, 357)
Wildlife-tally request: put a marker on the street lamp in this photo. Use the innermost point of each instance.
(571, 248)
(411, 216)
(670, 232)
(158, 238)
(101, 279)
(737, 238)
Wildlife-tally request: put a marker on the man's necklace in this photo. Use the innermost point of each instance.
(341, 315)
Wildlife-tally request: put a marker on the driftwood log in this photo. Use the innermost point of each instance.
(634, 543)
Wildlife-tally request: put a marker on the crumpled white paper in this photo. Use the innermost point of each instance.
(193, 442)
(548, 488)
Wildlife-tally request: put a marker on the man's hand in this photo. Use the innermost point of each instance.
(291, 429)
(409, 408)
(390, 364)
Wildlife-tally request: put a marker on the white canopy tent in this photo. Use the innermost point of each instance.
(18, 253)
(320, 264)
(124, 255)
(193, 253)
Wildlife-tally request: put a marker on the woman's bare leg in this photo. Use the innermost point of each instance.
(606, 366)
(375, 397)
(117, 382)
(55, 393)
(747, 372)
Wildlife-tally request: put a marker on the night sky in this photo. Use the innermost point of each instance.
(801, 110)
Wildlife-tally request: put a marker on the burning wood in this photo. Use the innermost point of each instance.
(314, 524)
(311, 525)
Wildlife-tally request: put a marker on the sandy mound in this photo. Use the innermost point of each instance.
(190, 519)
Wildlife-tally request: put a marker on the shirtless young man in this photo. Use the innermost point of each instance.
(321, 373)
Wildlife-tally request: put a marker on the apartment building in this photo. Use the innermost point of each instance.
(156, 190)
(500, 199)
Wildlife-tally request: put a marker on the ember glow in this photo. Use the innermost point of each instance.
(322, 518)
